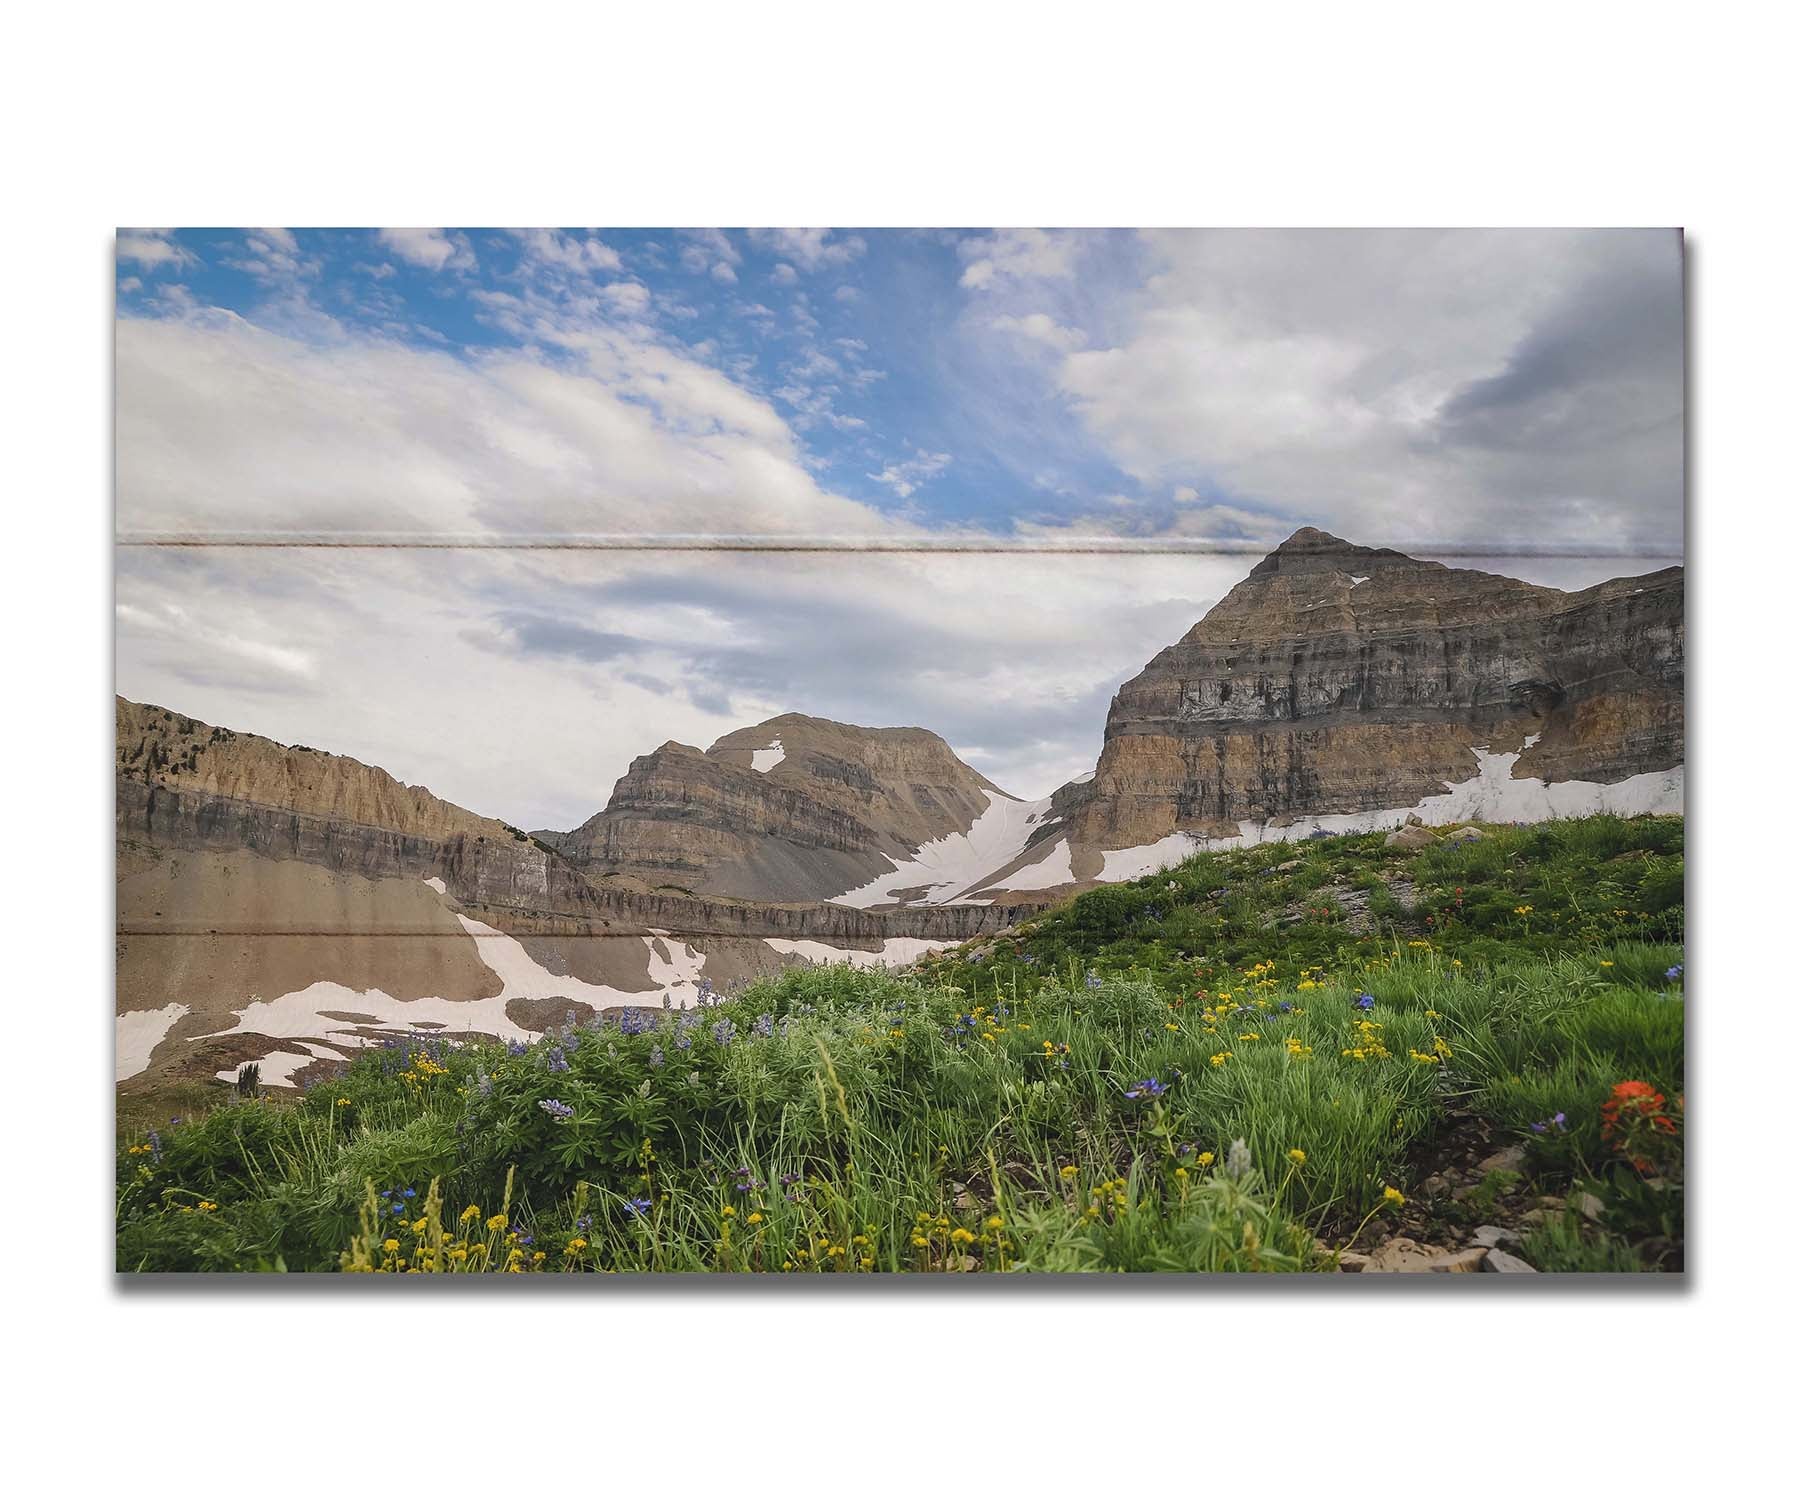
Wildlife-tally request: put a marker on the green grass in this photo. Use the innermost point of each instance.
(976, 1113)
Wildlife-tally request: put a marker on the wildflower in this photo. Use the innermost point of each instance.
(754, 1219)
(1393, 1196)
(207, 1206)
(341, 1103)
(468, 1214)
(1297, 1157)
(555, 1108)
(1673, 972)
(656, 1057)
(996, 1222)
(764, 1025)
(1364, 1001)
(1069, 1173)
(1558, 1122)
(1092, 981)
(1149, 1088)
(497, 1222)
(961, 1236)
(1521, 911)
(724, 1031)
(637, 1207)
(1237, 1159)
(1218, 1059)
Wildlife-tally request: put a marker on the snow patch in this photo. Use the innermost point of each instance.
(957, 862)
(299, 1016)
(274, 1071)
(1055, 868)
(1147, 859)
(436, 884)
(894, 951)
(136, 1034)
(1354, 580)
(769, 759)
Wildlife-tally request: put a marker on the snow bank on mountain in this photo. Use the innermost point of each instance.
(136, 1035)
(769, 759)
(957, 862)
(894, 951)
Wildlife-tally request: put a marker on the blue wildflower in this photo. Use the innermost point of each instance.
(765, 1025)
(1149, 1088)
(1092, 981)
(553, 1107)
(556, 1062)
(637, 1207)
(1364, 1002)
(656, 1057)
(516, 1048)
(1673, 972)
(724, 1032)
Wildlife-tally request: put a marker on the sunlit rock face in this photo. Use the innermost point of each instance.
(1338, 679)
(794, 809)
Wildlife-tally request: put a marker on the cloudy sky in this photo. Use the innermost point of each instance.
(975, 479)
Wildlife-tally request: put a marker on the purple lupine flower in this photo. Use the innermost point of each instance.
(656, 1057)
(637, 1207)
(555, 1108)
(1149, 1088)
(516, 1048)
(1673, 972)
(765, 1025)
(484, 1086)
(1092, 981)
(1558, 1122)
(556, 1062)
(633, 1021)
(724, 1031)
(1364, 1002)
(155, 1146)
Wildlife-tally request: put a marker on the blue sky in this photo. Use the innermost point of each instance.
(1514, 396)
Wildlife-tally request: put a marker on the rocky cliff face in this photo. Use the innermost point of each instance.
(281, 905)
(793, 809)
(1339, 679)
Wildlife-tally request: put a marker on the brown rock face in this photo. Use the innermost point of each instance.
(816, 820)
(1338, 678)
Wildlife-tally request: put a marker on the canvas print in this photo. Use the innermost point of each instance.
(900, 752)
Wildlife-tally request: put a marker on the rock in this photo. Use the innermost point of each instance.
(1490, 1235)
(1303, 692)
(1499, 1260)
(1590, 1207)
(1289, 864)
(1435, 1186)
(1464, 836)
(1410, 839)
(1352, 1260)
(1506, 1159)
(830, 804)
(1460, 1260)
(1403, 1254)
(1413, 820)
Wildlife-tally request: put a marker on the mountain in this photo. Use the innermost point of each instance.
(792, 809)
(1341, 687)
(281, 905)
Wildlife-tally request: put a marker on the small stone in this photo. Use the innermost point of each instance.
(1289, 864)
(1535, 1215)
(1464, 836)
(1490, 1235)
(1410, 839)
(1462, 1260)
(1403, 1254)
(1499, 1260)
(1413, 820)
(963, 1203)
(1590, 1206)
(1435, 1186)
(1353, 1260)
(1507, 1159)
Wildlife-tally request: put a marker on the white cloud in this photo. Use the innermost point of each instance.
(906, 476)
(434, 249)
(583, 252)
(1040, 328)
(152, 248)
(784, 274)
(1009, 255)
(811, 249)
(723, 274)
